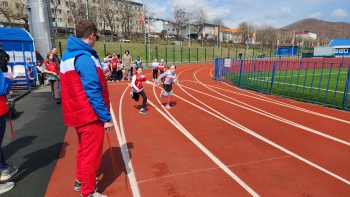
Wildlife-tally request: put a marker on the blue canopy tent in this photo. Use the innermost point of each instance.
(19, 44)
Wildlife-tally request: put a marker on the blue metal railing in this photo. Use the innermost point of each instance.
(323, 81)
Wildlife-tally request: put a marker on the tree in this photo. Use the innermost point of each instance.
(180, 18)
(15, 11)
(126, 16)
(201, 18)
(109, 15)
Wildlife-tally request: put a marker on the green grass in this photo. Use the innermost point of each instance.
(171, 54)
(324, 87)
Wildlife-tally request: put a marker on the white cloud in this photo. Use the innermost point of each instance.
(339, 13)
(316, 15)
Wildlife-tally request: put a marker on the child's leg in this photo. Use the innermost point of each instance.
(144, 97)
(136, 96)
(170, 96)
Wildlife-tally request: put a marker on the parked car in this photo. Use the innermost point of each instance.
(169, 36)
(153, 36)
(106, 32)
(61, 30)
(124, 40)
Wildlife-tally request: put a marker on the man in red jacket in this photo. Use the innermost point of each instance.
(7, 170)
(85, 103)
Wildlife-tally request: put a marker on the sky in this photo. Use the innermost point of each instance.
(278, 13)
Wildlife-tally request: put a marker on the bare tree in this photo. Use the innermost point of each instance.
(180, 18)
(17, 12)
(126, 17)
(109, 15)
(201, 18)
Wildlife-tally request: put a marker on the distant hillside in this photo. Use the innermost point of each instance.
(324, 29)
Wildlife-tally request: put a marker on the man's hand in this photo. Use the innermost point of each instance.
(109, 125)
(8, 104)
(9, 76)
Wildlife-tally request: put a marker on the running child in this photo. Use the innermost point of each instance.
(137, 88)
(168, 78)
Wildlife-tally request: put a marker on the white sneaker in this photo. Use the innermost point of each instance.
(4, 187)
(167, 106)
(96, 194)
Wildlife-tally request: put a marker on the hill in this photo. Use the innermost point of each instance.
(324, 29)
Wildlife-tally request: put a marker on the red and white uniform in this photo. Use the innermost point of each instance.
(161, 67)
(137, 82)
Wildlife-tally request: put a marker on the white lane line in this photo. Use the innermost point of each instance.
(270, 100)
(124, 149)
(246, 130)
(237, 125)
(269, 115)
(207, 152)
(209, 169)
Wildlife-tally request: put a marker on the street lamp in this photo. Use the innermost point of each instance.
(278, 35)
(189, 26)
(220, 33)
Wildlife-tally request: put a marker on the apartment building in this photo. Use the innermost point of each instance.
(124, 14)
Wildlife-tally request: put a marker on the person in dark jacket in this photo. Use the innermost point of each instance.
(4, 59)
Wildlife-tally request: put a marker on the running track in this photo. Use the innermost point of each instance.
(216, 140)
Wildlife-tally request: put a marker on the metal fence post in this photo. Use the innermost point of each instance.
(181, 54)
(104, 49)
(59, 44)
(197, 54)
(240, 73)
(157, 52)
(146, 56)
(346, 90)
(189, 55)
(166, 55)
(205, 54)
(273, 76)
(174, 55)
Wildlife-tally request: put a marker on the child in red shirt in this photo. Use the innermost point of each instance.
(137, 88)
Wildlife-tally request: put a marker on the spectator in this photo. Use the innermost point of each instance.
(162, 66)
(39, 70)
(155, 66)
(240, 55)
(51, 69)
(114, 65)
(7, 170)
(4, 59)
(127, 63)
(85, 104)
(29, 67)
(54, 52)
(138, 62)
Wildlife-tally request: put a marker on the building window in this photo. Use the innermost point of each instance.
(59, 11)
(346, 50)
(341, 50)
(5, 4)
(68, 13)
(18, 5)
(58, 2)
(59, 20)
(67, 3)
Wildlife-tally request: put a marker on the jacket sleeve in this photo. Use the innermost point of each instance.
(161, 76)
(87, 70)
(5, 84)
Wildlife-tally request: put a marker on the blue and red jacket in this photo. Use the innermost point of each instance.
(84, 90)
(5, 87)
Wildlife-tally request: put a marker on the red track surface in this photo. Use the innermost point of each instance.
(208, 144)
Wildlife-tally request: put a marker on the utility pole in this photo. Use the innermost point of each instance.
(87, 9)
(189, 26)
